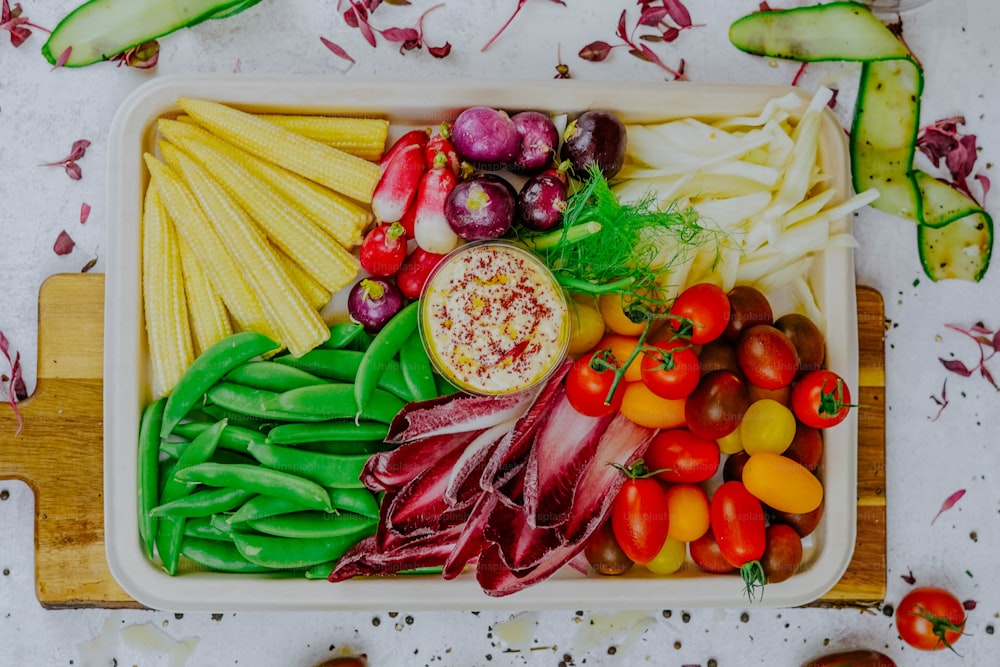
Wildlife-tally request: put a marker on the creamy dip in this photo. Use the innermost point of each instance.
(494, 319)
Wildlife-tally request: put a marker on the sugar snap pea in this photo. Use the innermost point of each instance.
(334, 431)
(321, 570)
(257, 479)
(336, 470)
(367, 447)
(271, 376)
(383, 349)
(205, 527)
(210, 366)
(149, 471)
(358, 501)
(205, 503)
(444, 388)
(174, 448)
(235, 438)
(288, 553)
(343, 365)
(256, 404)
(303, 525)
(218, 556)
(417, 371)
(335, 401)
(263, 506)
(342, 335)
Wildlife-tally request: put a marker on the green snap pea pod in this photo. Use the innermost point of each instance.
(256, 404)
(363, 341)
(149, 472)
(444, 388)
(343, 365)
(174, 448)
(383, 350)
(417, 369)
(235, 438)
(205, 527)
(271, 376)
(218, 556)
(336, 431)
(304, 525)
(170, 532)
(336, 470)
(358, 501)
(257, 479)
(235, 418)
(367, 447)
(320, 571)
(211, 366)
(261, 507)
(288, 553)
(335, 401)
(342, 335)
(205, 503)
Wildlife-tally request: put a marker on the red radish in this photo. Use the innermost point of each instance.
(411, 138)
(411, 212)
(383, 250)
(441, 142)
(430, 226)
(416, 269)
(397, 187)
(372, 302)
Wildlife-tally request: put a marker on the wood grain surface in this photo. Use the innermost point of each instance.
(59, 452)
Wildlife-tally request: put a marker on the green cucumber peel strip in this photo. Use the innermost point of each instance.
(98, 30)
(954, 233)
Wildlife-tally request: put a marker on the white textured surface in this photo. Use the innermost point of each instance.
(43, 112)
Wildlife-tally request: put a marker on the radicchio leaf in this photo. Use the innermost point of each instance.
(948, 503)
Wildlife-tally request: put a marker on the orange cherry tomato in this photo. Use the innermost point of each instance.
(647, 409)
(687, 507)
(781, 483)
(622, 347)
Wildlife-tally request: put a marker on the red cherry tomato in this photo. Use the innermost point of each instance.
(821, 399)
(739, 528)
(414, 272)
(589, 382)
(681, 456)
(671, 369)
(639, 518)
(706, 554)
(383, 250)
(930, 618)
(701, 311)
(767, 357)
(716, 407)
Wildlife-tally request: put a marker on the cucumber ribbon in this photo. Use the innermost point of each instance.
(954, 233)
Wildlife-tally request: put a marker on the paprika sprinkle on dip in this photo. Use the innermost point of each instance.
(493, 319)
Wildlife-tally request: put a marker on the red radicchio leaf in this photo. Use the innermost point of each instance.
(336, 49)
(64, 244)
(595, 51)
(84, 213)
(678, 12)
(948, 503)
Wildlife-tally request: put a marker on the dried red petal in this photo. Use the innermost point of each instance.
(64, 244)
(89, 265)
(956, 366)
(595, 51)
(16, 390)
(678, 12)
(84, 212)
(651, 16)
(73, 170)
(908, 577)
(440, 51)
(336, 49)
(400, 34)
(948, 503)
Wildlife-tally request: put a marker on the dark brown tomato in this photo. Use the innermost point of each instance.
(732, 469)
(807, 447)
(603, 553)
(748, 306)
(808, 340)
(716, 407)
(782, 553)
(767, 357)
(720, 354)
(857, 658)
(804, 524)
(707, 555)
(782, 395)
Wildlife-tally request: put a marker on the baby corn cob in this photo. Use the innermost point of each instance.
(166, 312)
(362, 137)
(212, 255)
(298, 325)
(289, 229)
(209, 318)
(338, 216)
(340, 171)
(317, 295)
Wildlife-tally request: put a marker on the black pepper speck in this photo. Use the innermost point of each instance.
(612, 650)
(677, 645)
(408, 620)
(376, 621)
(888, 610)
(667, 613)
(744, 617)
(685, 617)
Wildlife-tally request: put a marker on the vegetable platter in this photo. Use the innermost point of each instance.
(827, 296)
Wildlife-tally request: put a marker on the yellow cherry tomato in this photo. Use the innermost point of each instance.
(781, 483)
(670, 557)
(767, 426)
(614, 309)
(687, 507)
(622, 347)
(586, 327)
(647, 409)
(730, 443)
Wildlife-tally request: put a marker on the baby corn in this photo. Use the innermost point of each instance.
(317, 295)
(209, 318)
(362, 137)
(298, 325)
(166, 312)
(340, 171)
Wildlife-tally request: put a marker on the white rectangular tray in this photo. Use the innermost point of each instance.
(427, 103)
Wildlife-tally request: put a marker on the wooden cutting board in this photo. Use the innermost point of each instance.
(59, 452)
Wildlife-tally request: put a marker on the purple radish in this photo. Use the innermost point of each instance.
(595, 137)
(542, 202)
(486, 137)
(481, 207)
(372, 302)
(539, 140)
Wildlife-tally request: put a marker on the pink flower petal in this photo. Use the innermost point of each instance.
(948, 503)
(84, 213)
(64, 244)
(336, 49)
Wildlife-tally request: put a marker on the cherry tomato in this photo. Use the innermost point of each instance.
(586, 327)
(639, 518)
(930, 618)
(701, 312)
(821, 399)
(589, 382)
(715, 408)
(622, 313)
(603, 553)
(767, 426)
(681, 456)
(383, 249)
(782, 395)
(645, 408)
(730, 443)
(414, 272)
(670, 369)
(669, 558)
(781, 483)
(782, 553)
(858, 658)
(706, 554)
(732, 469)
(719, 354)
(687, 505)
(748, 306)
(622, 347)
(738, 525)
(767, 357)
(808, 340)
(807, 447)
(803, 524)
